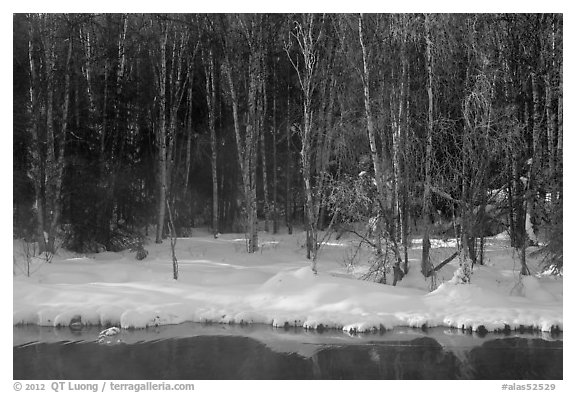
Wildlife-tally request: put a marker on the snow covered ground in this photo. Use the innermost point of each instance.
(220, 282)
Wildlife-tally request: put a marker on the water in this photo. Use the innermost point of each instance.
(200, 352)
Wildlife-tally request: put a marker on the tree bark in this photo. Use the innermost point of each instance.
(533, 208)
(36, 162)
(189, 129)
(262, 90)
(404, 140)
(274, 161)
(211, 101)
(288, 197)
(57, 207)
(246, 144)
(559, 143)
(51, 169)
(48, 168)
(176, 81)
(87, 68)
(161, 138)
(397, 116)
(117, 140)
(550, 128)
(307, 45)
(376, 161)
(253, 129)
(426, 265)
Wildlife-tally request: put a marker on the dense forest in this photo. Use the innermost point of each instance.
(132, 125)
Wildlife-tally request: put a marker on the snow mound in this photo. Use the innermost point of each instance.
(290, 279)
(534, 291)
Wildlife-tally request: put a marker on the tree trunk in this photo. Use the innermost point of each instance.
(57, 207)
(325, 137)
(176, 82)
(376, 161)
(550, 128)
(211, 100)
(48, 175)
(307, 42)
(426, 265)
(117, 139)
(559, 143)
(533, 207)
(398, 124)
(246, 146)
(274, 162)
(49, 58)
(305, 154)
(404, 142)
(288, 197)
(189, 129)
(36, 162)
(264, 163)
(87, 68)
(103, 214)
(403, 136)
(253, 130)
(173, 239)
(161, 139)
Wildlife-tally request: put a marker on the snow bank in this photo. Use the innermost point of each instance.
(221, 283)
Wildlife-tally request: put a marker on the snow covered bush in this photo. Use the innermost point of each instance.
(463, 274)
(552, 251)
(141, 253)
(124, 238)
(354, 204)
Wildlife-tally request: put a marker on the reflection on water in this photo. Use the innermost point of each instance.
(264, 353)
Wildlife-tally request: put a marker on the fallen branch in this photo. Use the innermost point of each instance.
(446, 261)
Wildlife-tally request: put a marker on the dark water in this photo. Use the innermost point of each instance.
(265, 353)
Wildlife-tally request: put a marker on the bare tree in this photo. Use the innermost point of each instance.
(308, 32)
(426, 266)
(48, 154)
(247, 142)
(208, 59)
(161, 137)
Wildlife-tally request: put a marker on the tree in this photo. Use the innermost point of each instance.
(308, 32)
(462, 118)
(48, 142)
(161, 136)
(208, 60)
(426, 266)
(247, 142)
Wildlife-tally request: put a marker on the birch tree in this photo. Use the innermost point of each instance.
(161, 133)
(426, 266)
(208, 59)
(307, 33)
(247, 139)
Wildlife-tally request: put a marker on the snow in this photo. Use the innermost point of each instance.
(220, 282)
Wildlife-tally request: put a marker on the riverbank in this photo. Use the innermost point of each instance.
(221, 283)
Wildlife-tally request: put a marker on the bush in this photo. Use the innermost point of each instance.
(125, 239)
(84, 239)
(552, 251)
(141, 253)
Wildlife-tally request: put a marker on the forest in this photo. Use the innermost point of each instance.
(386, 126)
